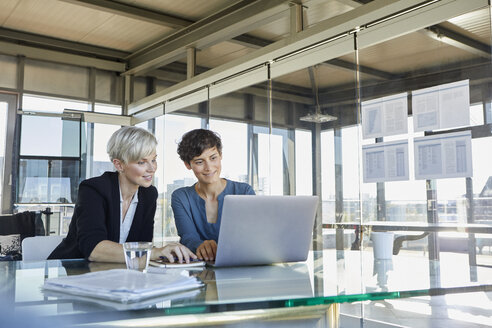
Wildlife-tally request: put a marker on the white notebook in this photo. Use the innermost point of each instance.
(123, 285)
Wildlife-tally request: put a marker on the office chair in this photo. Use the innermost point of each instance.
(15, 228)
(38, 248)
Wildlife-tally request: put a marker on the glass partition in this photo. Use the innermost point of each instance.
(328, 196)
(303, 162)
(241, 119)
(51, 105)
(108, 109)
(425, 99)
(100, 158)
(49, 163)
(3, 138)
(393, 136)
(63, 139)
(171, 172)
(431, 81)
(326, 136)
(234, 136)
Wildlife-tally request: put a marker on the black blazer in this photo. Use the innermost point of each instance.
(96, 217)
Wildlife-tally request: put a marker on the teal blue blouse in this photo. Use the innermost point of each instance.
(190, 216)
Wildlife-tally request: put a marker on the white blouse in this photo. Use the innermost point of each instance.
(126, 224)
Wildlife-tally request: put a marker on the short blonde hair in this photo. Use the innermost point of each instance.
(130, 144)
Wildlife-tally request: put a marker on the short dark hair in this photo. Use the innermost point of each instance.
(195, 142)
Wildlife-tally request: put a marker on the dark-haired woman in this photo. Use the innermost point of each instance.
(198, 208)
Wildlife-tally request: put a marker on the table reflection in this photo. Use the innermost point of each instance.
(257, 282)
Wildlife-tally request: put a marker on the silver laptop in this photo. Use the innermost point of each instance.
(259, 230)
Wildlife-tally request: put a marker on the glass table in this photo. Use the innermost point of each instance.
(305, 294)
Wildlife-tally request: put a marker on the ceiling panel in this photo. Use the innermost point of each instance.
(55, 18)
(273, 31)
(299, 78)
(188, 9)
(7, 8)
(316, 11)
(477, 22)
(410, 52)
(327, 76)
(221, 53)
(81, 24)
(125, 33)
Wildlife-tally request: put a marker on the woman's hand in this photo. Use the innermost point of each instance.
(174, 251)
(206, 251)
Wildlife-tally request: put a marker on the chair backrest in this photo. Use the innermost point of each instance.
(23, 224)
(14, 228)
(39, 248)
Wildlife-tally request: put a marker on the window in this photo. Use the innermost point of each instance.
(328, 176)
(50, 136)
(108, 109)
(270, 164)
(49, 160)
(350, 163)
(100, 159)
(3, 136)
(171, 173)
(51, 105)
(234, 149)
(304, 163)
(48, 180)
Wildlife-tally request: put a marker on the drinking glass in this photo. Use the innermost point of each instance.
(137, 255)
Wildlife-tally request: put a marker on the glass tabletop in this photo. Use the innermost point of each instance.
(326, 277)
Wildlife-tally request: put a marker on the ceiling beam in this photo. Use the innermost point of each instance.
(340, 63)
(224, 25)
(350, 3)
(251, 41)
(12, 49)
(318, 33)
(457, 37)
(135, 12)
(158, 18)
(381, 12)
(31, 39)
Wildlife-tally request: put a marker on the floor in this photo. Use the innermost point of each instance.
(470, 310)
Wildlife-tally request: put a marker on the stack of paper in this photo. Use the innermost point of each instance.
(122, 285)
(162, 301)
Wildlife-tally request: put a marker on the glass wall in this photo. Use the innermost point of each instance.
(328, 176)
(424, 99)
(3, 138)
(171, 172)
(234, 136)
(49, 163)
(368, 130)
(51, 105)
(303, 162)
(238, 117)
(432, 87)
(100, 158)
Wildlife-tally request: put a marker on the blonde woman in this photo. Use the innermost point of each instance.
(117, 207)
